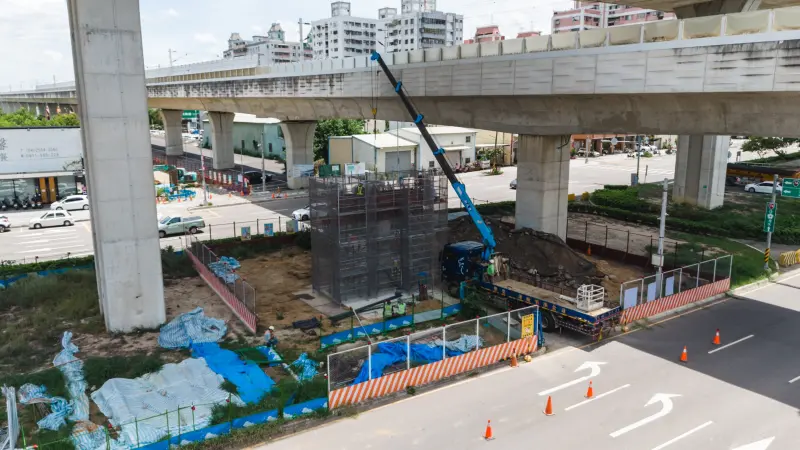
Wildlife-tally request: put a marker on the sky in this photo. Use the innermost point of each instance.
(36, 41)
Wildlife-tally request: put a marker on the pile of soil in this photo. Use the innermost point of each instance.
(532, 252)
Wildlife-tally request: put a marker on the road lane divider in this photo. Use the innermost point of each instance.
(732, 343)
(678, 438)
(794, 379)
(597, 397)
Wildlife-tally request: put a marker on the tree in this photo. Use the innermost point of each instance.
(156, 121)
(761, 145)
(492, 155)
(334, 127)
(25, 118)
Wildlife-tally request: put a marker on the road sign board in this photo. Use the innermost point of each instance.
(190, 114)
(769, 217)
(791, 187)
(527, 326)
(614, 141)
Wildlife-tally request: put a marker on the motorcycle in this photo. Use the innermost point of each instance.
(26, 202)
(37, 201)
(4, 204)
(16, 203)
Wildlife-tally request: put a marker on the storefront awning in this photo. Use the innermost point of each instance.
(453, 148)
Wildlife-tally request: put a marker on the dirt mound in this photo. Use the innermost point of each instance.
(529, 250)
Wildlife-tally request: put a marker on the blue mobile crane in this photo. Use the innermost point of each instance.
(467, 261)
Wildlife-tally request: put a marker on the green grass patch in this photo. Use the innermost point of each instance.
(748, 263)
(176, 265)
(98, 370)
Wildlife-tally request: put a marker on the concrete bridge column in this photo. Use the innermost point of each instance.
(543, 183)
(299, 138)
(222, 139)
(109, 76)
(700, 168)
(173, 131)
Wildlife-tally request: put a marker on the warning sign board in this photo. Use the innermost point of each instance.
(527, 326)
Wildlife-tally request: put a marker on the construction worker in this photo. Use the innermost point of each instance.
(387, 309)
(401, 309)
(360, 189)
(269, 337)
(491, 271)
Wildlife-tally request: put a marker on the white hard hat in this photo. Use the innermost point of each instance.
(271, 328)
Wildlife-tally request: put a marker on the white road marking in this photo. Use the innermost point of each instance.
(594, 366)
(44, 241)
(794, 379)
(41, 233)
(760, 445)
(678, 438)
(732, 343)
(51, 249)
(666, 408)
(596, 397)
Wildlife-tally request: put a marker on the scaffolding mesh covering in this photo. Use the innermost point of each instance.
(377, 233)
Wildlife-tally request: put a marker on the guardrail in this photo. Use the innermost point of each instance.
(737, 24)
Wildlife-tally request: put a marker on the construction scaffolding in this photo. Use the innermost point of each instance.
(375, 234)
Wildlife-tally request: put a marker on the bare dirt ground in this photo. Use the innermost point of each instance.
(614, 234)
(180, 296)
(616, 273)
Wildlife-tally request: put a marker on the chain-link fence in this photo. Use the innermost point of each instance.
(379, 359)
(671, 282)
(243, 295)
(622, 244)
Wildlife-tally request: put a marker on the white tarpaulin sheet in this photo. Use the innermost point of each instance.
(138, 406)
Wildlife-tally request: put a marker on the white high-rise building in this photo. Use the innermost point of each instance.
(269, 49)
(420, 25)
(342, 35)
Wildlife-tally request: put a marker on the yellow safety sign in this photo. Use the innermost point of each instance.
(527, 326)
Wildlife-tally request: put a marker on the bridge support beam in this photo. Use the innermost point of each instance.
(222, 139)
(173, 131)
(299, 138)
(716, 7)
(700, 168)
(109, 73)
(543, 183)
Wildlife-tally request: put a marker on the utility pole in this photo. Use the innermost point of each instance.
(263, 172)
(769, 230)
(661, 231)
(170, 56)
(202, 164)
(638, 157)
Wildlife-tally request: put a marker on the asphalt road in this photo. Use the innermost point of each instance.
(726, 397)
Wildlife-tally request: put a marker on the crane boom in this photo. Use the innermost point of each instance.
(458, 186)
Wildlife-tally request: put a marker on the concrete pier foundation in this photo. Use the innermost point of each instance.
(299, 138)
(700, 169)
(543, 183)
(173, 131)
(222, 139)
(109, 74)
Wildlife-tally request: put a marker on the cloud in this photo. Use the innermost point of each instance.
(205, 38)
(54, 55)
(171, 12)
(257, 29)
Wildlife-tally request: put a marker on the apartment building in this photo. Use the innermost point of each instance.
(419, 25)
(488, 33)
(589, 15)
(342, 35)
(269, 49)
(524, 34)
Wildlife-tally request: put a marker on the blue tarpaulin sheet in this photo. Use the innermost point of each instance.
(308, 368)
(378, 328)
(390, 353)
(191, 328)
(251, 382)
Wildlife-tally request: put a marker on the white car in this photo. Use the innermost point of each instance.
(303, 213)
(763, 188)
(5, 224)
(72, 203)
(52, 219)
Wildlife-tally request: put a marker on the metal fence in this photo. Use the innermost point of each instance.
(379, 359)
(237, 293)
(623, 245)
(9, 435)
(671, 282)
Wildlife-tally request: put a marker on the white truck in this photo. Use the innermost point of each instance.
(180, 225)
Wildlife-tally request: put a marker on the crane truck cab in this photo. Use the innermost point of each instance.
(462, 261)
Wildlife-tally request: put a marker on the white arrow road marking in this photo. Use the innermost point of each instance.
(666, 408)
(732, 343)
(678, 438)
(760, 445)
(597, 397)
(595, 371)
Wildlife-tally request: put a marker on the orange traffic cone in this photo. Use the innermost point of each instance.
(716, 338)
(589, 251)
(514, 361)
(590, 391)
(684, 356)
(210, 195)
(548, 409)
(273, 195)
(285, 195)
(488, 434)
(229, 195)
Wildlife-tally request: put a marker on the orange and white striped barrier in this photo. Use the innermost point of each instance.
(674, 301)
(421, 375)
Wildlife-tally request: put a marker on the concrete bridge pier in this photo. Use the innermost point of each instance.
(700, 168)
(543, 183)
(299, 138)
(173, 131)
(109, 73)
(222, 139)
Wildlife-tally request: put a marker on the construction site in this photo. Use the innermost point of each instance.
(375, 235)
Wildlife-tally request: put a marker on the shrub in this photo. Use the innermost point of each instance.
(647, 155)
(627, 199)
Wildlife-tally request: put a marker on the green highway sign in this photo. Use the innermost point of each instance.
(769, 217)
(791, 188)
(191, 114)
